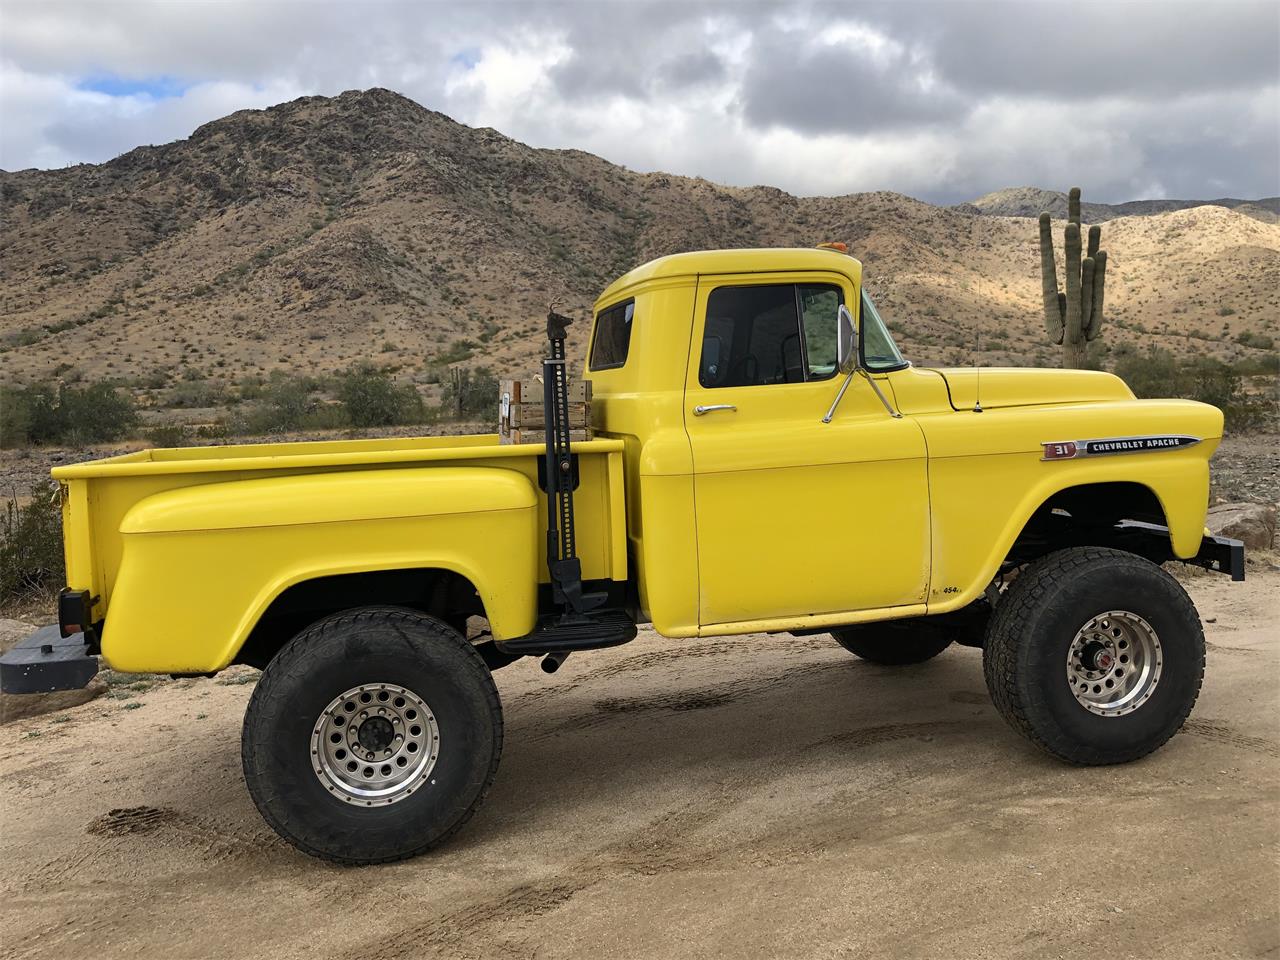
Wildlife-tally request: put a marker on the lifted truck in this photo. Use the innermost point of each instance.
(766, 462)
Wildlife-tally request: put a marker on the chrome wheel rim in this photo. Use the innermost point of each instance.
(375, 744)
(1114, 663)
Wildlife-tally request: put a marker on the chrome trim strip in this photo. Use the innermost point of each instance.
(1108, 446)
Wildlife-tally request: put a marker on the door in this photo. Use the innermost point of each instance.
(795, 516)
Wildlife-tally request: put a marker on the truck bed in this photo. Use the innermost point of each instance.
(98, 494)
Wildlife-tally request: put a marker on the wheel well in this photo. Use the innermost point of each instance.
(442, 593)
(1085, 516)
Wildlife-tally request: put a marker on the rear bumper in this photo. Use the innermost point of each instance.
(47, 661)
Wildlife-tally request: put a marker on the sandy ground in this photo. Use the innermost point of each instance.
(748, 797)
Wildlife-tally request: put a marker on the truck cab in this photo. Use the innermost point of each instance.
(749, 509)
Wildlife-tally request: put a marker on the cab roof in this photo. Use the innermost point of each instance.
(745, 260)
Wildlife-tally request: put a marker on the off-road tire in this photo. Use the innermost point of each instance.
(373, 645)
(1034, 625)
(894, 643)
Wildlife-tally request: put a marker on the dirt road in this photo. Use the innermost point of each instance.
(751, 797)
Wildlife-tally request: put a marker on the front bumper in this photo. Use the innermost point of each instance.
(47, 661)
(1219, 554)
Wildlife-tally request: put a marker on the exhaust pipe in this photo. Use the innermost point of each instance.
(551, 662)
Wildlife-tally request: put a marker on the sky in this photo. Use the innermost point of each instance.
(944, 101)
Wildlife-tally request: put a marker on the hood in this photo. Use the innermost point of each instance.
(1023, 386)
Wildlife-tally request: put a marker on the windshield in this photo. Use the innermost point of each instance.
(879, 352)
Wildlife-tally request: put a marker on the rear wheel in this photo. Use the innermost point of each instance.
(373, 736)
(1095, 655)
(894, 642)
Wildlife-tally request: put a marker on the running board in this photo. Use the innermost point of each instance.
(564, 634)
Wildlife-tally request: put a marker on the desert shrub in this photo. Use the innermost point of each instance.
(326, 416)
(35, 415)
(166, 435)
(15, 418)
(217, 430)
(372, 399)
(284, 406)
(31, 545)
(1265, 365)
(457, 352)
(1158, 373)
(1259, 341)
(96, 414)
(251, 388)
(196, 393)
(470, 393)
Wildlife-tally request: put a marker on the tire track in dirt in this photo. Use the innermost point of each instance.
(1222, 733)
(79, 929)
(147, 837)
(886, 733)
(702, 649)
(676, 701)
(665, 844)
(653, 660)
(1223, 648)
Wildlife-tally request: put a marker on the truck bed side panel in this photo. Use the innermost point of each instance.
(199, 566)
(100, 494)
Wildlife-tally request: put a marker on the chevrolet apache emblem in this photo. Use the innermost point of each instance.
(1068, 449)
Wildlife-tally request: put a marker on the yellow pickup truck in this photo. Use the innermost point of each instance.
(765, 461)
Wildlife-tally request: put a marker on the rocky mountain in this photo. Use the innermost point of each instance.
(324, 231)
(1032, 201)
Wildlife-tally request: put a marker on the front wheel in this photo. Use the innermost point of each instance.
(372, 736)
(1095, 655)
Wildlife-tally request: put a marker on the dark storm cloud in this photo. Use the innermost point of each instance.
(794, 82)
(633, 50)
(692, 70)
(1080, 50)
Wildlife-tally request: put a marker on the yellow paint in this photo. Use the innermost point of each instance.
(791, 517)
(186, 548)
(227, 550)
(759, 519)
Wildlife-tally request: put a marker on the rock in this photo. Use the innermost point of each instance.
(1252, 523)
(24, 706)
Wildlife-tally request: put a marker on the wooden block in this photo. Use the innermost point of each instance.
(521, 435)
(529, 390)
(531, 415)
(520, 411)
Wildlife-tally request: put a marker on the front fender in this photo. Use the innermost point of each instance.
(201, 564)
(981, 504)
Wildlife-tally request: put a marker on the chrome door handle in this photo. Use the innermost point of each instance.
(702, 409)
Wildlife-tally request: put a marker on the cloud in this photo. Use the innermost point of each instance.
(53, 121)
(943, 100)
(806, 78)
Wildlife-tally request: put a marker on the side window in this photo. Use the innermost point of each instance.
(613, 336)
(757, 335)
(819, 313)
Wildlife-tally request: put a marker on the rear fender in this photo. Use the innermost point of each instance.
(201, 564)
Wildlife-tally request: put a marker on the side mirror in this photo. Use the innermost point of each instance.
(846, 341)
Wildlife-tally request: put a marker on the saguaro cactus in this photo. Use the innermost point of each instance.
(1074, 317)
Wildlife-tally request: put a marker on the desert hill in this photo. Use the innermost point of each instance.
(1031, 201)
(323, 231)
